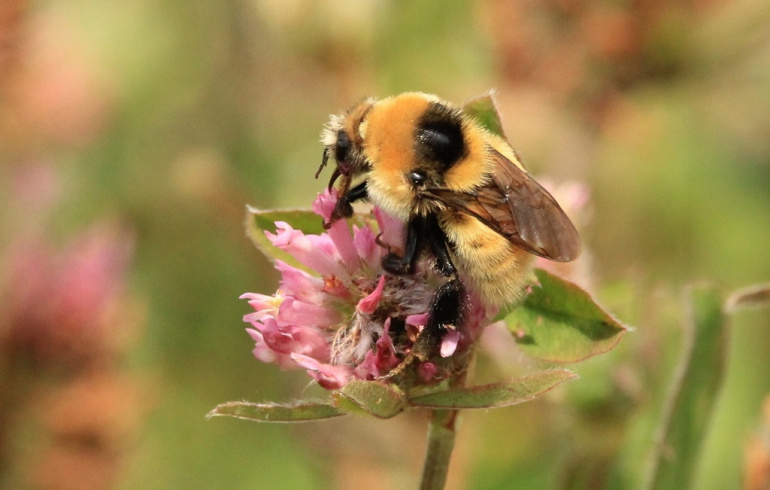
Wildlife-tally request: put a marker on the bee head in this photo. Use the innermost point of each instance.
(343, 138)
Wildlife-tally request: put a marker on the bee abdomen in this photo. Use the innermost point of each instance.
(497, 282)
(489, 264)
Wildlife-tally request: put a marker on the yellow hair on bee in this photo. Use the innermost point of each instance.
(390, 143)
(486, 257)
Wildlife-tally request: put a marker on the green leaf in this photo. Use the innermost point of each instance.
(269, 412)
(257, 222)
(560, 322)
(484, 109)
(381, 400)
(497, 394)
(693, 394)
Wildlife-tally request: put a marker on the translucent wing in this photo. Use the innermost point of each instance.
(517, 207)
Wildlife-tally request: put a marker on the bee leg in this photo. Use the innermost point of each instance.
(421, 232)
(440, 251)
(402, 265)
(343, 208)
(446, 307)
(356, 193)
(445, 313)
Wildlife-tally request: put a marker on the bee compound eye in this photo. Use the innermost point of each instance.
(417, 178)
(342, 146)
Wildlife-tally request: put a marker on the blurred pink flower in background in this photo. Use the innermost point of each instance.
(62, 306)
(66, 323)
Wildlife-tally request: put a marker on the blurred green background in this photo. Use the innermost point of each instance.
(169, 117)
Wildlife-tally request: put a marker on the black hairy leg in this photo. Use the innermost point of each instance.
(422, 232)
(446, 312)
(446, 308)
(343, 208)
(404, 264)
(438, 245)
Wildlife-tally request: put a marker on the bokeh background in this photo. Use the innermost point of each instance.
(133, 134)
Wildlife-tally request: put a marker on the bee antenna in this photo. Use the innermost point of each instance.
(324, 161)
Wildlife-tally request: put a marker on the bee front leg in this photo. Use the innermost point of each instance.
(403, 265)
(343, 208)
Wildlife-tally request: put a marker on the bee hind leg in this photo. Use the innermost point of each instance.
(446, 307)
(446, 313)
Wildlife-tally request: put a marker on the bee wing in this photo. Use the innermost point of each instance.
(516, 206)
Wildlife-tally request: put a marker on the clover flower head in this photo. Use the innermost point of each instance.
(351, 319)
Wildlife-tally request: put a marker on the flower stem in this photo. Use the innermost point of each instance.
(441, 440)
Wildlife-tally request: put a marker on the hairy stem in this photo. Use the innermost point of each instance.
(441, 440)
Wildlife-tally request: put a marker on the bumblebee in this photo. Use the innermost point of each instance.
(461, 190)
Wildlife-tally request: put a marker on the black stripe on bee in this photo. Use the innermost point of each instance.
(439, 136)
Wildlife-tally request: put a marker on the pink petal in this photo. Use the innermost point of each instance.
(296, 312)
(325, 203)
(368, 305)
(258, 316)
(323, 243)
(477, 316)
(418, 320)
(328, 376)
(314, 251)
(335, 287)
(367, 369)
(365, 242)
(288, 339)
(415, 324)
(260, 301)
(299, 284)
(449, 342)
(339, 233)
(264, 353)
(311, 343)
(427, 371)
(392, 230)
(385, 351)
(263, 305)
(381, 359)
